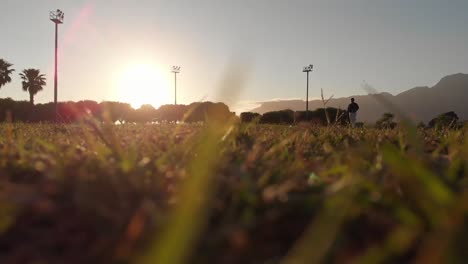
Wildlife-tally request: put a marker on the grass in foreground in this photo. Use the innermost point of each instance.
(231, 194)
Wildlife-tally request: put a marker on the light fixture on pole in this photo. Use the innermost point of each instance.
(307, 69)
(56, 17)
(175, 70)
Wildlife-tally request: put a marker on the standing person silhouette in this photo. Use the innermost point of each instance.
(352, 111)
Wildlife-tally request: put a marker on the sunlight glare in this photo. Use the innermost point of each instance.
(143, 83)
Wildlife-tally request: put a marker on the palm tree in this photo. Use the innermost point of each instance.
(33, 81)
(5, 72)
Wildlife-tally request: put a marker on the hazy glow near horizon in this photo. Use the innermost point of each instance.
(142, 83)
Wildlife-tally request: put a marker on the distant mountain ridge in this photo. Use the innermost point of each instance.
(419, 103)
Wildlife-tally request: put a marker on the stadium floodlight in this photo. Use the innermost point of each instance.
(56, 17)
(307, 69)
(175, 70)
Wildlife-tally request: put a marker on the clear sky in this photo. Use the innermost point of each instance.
(106, 45)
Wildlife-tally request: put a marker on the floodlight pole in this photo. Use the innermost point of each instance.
(307, 94)
(57, 18)
(175, 70)
(55, 71)
(307, 69)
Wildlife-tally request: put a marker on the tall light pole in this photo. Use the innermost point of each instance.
(56, 17)
(307, 69)
(175, 70)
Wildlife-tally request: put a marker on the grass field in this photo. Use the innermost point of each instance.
(101, 193)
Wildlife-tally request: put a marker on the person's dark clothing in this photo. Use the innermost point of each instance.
(353, 107)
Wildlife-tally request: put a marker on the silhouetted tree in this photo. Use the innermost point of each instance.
(71, 111)
(115, 111)
(319, 116)
(206, 112)
(33, 82)
(8, 105)
(278, 117)
(171, 113)
(218, 112)
(386, 122)
(45, 112)
(146, 113)
(421, 125)
(5, 72)
(445, 120)
(248, 117)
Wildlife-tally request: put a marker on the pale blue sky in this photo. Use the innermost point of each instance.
(394, 45)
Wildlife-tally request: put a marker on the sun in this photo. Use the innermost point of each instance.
(143, 83)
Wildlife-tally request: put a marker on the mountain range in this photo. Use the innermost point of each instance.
(418, 104)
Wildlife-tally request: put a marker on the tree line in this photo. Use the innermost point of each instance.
(116, 112)
(334, 116)
(320, 116)
(33, 81)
